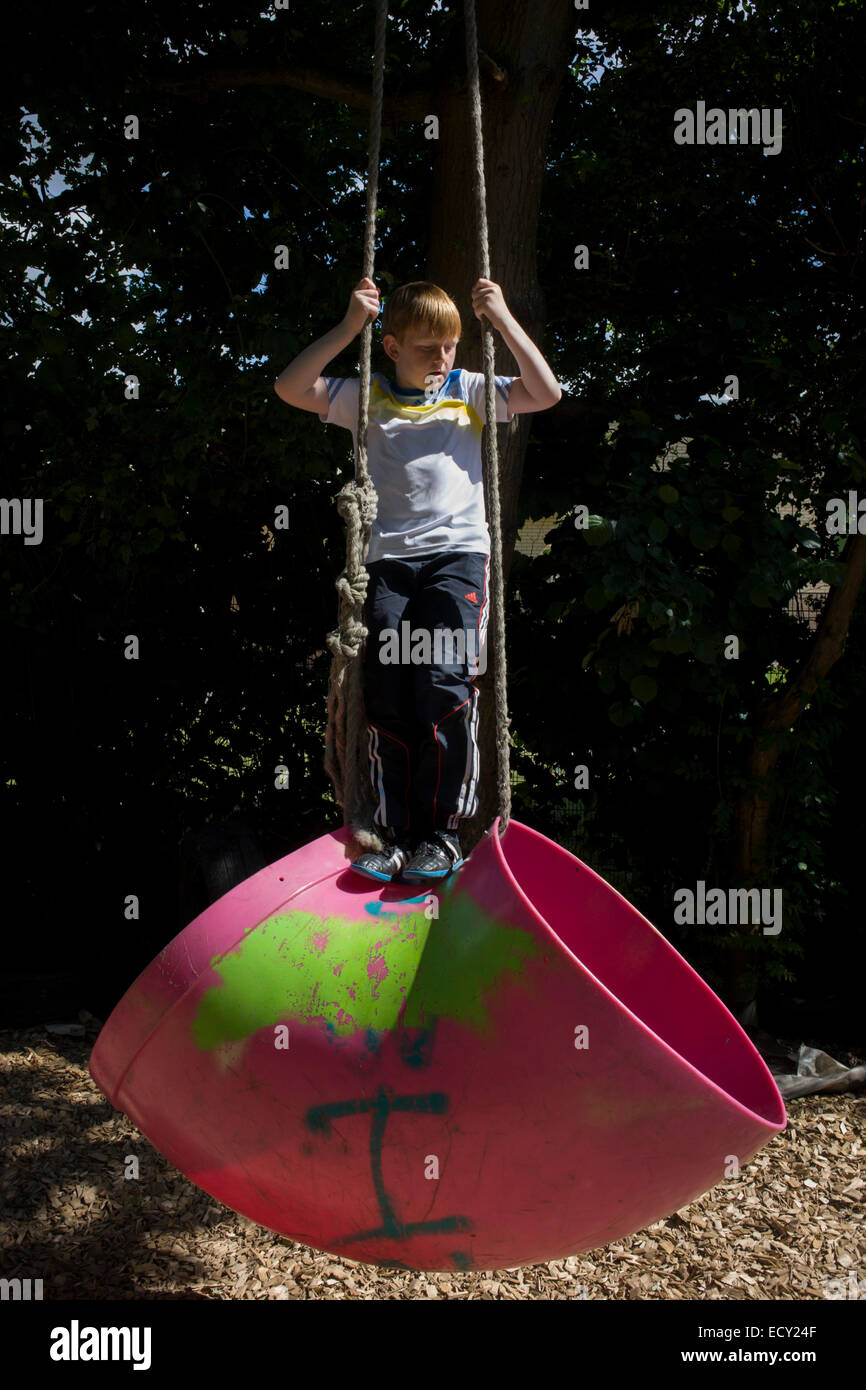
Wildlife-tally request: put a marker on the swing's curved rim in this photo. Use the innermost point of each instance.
(672, 957)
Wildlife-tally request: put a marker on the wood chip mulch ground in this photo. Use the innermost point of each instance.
(788, 1227)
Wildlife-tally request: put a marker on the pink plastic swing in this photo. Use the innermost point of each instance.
(514, 1069)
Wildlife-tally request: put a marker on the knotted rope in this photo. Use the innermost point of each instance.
(356, 503)
(491, 451)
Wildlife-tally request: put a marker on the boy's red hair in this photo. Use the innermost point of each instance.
(420, 305)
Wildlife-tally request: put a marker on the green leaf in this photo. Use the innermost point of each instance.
(644, 688)
(658, 528)
(598, 532)
(620, 713)
(668, 493)
(704, 537)
(831, 571)
(595, 598)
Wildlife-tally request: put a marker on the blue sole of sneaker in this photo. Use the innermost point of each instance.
(419, 875)
(371, 873)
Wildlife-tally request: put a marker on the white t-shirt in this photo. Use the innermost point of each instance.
(424, 458)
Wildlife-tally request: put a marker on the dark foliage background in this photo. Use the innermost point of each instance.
(155, 258)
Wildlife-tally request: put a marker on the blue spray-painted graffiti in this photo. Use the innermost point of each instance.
(416, 1050)
(380, 1106)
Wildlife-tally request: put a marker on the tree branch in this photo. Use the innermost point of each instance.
(783, 710)
(493, 70)
(336, 86)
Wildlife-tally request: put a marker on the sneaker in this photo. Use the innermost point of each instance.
(436, 857)
(386, 864)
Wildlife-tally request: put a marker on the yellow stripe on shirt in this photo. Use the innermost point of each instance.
(385, 406)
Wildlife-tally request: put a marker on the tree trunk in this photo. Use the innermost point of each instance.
(782, 711)
(532, 43)
(778, 712)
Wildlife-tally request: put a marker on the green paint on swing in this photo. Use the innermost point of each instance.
(297, 965)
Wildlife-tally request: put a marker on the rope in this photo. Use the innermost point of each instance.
(357, 503)
(491, 452)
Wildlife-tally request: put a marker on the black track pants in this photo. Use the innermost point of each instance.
(419, 687)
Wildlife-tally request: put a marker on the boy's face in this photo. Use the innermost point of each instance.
(421, 358)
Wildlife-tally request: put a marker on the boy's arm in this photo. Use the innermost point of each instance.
(536, 388)
(301, 384)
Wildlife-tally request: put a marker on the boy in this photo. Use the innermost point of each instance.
(428, 557)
